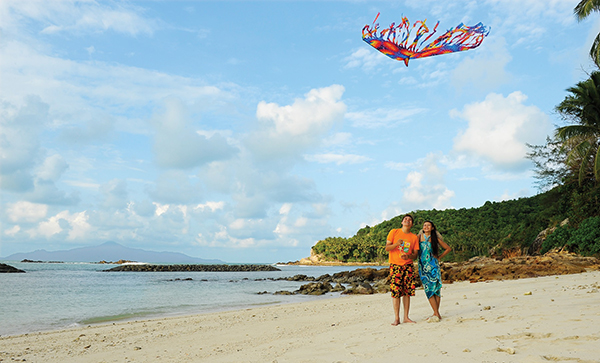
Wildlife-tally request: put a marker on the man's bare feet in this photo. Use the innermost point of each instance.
(407, 320)
(396, 322)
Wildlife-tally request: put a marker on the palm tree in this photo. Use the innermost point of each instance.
(582, 140)
(582, 11)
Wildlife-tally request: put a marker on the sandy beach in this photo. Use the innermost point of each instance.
(553, 318)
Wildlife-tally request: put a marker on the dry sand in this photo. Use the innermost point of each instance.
(554, 318)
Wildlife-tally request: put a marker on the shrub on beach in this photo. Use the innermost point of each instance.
(585, 239)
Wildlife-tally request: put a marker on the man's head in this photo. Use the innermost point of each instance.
(408, 221)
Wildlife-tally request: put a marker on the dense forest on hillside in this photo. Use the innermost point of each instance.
(494, 229)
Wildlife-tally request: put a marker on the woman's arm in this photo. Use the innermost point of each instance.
(445, 247)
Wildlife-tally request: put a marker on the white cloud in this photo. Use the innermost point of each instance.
(76, 16)
(286, 131)
(365, 58)
(382, 117)
(177, 145)
(52, 168)
(24, 211)
(338, 159)
(67, 86)
(19, 142)
(12, 231)
(426, 187)
(423, 193)
(499, 129)
(75, 226)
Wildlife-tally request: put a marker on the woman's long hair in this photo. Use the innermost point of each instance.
(435, 249)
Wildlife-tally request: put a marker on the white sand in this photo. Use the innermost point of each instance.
(483, 322)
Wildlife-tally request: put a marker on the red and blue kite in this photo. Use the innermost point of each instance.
(396, 42)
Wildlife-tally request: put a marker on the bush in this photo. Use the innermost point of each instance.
(559, 238)
(585, 240)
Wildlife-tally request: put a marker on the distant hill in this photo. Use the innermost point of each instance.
(109, 251)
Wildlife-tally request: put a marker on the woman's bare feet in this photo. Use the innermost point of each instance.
(396, 322)
(407, 320)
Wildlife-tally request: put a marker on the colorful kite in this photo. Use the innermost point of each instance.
(395, 41)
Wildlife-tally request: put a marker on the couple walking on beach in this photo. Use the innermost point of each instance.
(404, 247)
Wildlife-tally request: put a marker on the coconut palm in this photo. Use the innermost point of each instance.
(582, 139)
(582, 11)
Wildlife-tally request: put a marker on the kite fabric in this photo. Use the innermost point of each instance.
(395, 41)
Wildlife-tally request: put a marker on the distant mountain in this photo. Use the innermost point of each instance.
(109, 251)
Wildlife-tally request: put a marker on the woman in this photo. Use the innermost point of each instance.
(429, 266)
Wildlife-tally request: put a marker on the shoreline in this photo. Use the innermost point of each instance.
(531, 319)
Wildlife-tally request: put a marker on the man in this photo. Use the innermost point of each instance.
(403, 247)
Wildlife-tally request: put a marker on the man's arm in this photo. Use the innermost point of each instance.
(389, 245)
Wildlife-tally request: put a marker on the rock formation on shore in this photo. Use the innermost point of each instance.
(192, 268)
(370, 280)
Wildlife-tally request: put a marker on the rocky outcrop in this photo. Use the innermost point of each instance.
(4, 268)
(192, 268)
(484, 268)
(370, 280)
(536, 246)
(120, 262)
(32, 261)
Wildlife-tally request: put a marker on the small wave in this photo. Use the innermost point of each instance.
(119, 317)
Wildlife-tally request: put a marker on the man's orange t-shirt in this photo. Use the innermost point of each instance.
(411, 243)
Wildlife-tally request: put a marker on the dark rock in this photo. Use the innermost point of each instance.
(283, 292)
(4, 268)
(364, 288)
(31, 261)
(338, 287)
(315, 288)
(195, 268)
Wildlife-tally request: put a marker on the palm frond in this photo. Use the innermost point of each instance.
(585, 8)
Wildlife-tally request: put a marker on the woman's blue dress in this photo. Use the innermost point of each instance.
(429, 269)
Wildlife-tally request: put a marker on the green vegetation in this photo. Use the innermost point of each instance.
(492, 229)
(582, 11)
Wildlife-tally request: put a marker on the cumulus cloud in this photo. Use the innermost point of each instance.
(52, 168)
(74, 226)
(177, 145)
(499, 129)
(426, 188)
(24, 211)
(19, 142)
(286, 131)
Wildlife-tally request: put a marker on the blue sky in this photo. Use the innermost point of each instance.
(248, 130)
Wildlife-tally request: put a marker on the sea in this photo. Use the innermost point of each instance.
(54, 296)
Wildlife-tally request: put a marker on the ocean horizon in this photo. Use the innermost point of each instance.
(53, 296)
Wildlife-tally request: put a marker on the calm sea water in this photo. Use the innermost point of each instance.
(60, 295)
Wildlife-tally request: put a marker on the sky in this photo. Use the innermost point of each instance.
(247, 131)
